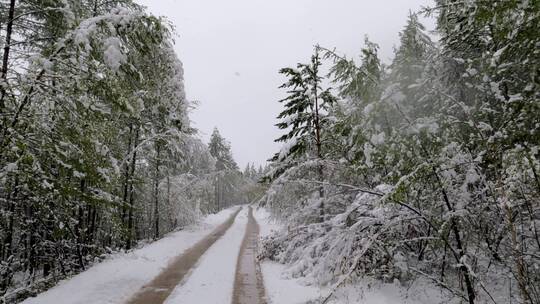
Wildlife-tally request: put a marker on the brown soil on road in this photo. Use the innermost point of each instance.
(248, 283)
(161, 286)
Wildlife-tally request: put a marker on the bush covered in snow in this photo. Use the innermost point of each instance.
(426, 168)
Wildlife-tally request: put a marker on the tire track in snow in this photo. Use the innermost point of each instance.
(157, 291)
(248, 284)
(212, 281)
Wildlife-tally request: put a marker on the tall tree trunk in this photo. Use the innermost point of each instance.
(8, 240)
(131, 192)
(169, 201)
(91, 220)
(318, 139)
(220, 193)
(216, 192)
(31, 240)
(5, 58)
(129, 241)
(156, 190)
(79, 227)
(49, 255)
(127, 171)
(317, 126)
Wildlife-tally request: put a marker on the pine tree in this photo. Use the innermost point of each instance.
(360, 87)
(305, 119)
(220, 149)
(304, 113)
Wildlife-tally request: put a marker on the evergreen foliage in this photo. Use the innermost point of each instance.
(220, 149)
(432, 167)
(96, 148)
(303, 117)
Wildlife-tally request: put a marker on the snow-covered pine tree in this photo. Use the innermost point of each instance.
(220, 149)
(227, 175)
(305, 120)
(304, 115)
(359, 86)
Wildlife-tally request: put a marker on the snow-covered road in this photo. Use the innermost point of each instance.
(119, 277)
(210, 250)
(161, 287)
(211, 282)
(212, 263)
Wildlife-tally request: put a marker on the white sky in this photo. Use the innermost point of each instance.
(232, 51)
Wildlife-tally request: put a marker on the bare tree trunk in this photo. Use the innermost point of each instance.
(127, 171)
(217, 193)
(131, 232)
(79, 229)
(521, 275)
(317, 124)
(318, 140)
(443, 265)
(171, 220)
(8, 240)
(92, 217)
(31, 245)
(131, 192)
(5, 59)
(156, 189)
(461, 251)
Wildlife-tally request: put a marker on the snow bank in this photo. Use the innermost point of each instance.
(120, 276)
(267, 226)
(383, 293)
(281, 288)
(211, 282)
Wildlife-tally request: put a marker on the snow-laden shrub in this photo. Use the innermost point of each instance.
(360, 240)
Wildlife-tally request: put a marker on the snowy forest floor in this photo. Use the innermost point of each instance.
(282, 288)
(213, 262)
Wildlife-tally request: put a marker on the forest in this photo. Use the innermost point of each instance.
(97, 151)
(423, 169)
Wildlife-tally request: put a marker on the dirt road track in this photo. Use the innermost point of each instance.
(161, 286)
(248, 285)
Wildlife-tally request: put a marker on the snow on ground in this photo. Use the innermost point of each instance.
(212, 281)
(281, 289)
(266, 225)
(121, 275)
(365, 292)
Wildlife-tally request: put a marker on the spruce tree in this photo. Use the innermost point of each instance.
(220, 149)
(305, 108)
(304, 119)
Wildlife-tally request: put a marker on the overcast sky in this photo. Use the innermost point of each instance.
(232, 51)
